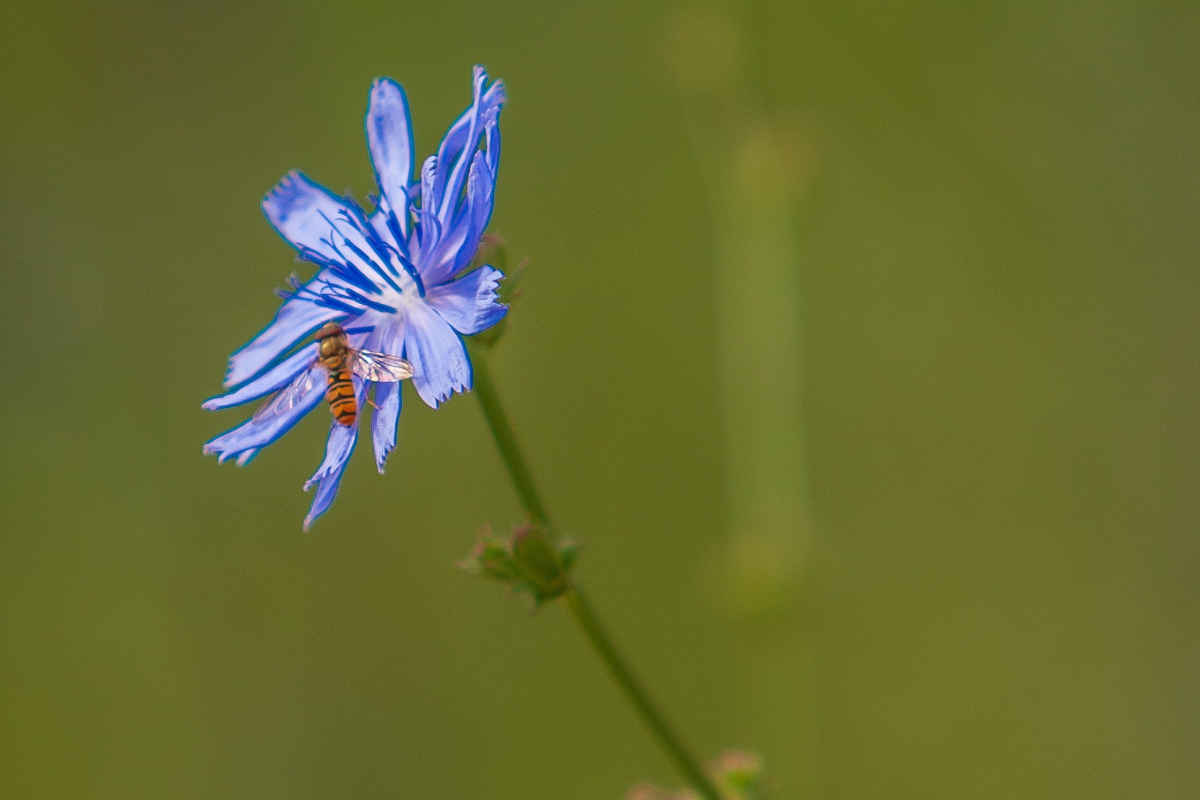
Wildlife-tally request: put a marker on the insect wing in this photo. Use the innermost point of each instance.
(288, 397)
(380, 367)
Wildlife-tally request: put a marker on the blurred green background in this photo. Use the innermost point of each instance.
(996, 230)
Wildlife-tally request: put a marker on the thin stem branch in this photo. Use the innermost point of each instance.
(573, 599)
(581, 611)
(506, 439)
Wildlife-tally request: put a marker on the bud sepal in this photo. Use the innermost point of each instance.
(528, 560)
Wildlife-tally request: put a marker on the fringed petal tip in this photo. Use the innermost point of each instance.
(240, 458)
(435, 394)
(286, 188)
(246, 440)
(495, 92)
(471, 303)
(293, 194)
(439, 358)
(385, 87)
(435, 402)
(499, 95)
(338, 449)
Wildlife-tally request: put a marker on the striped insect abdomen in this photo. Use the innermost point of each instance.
(340, 395)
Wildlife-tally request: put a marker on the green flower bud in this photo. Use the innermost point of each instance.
(528, 560)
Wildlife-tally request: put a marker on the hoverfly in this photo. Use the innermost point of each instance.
(337, 359)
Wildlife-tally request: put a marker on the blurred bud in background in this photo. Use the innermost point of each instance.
(738, 775)
(756, 164)
(703, 51)
(645, 791)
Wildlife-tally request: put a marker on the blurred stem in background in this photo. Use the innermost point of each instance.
(754, 166)
(537, 560)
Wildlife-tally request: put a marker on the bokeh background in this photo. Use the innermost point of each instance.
(989, 219)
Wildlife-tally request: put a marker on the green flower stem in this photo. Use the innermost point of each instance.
(585, 618)
(506, 439)
(577, 605)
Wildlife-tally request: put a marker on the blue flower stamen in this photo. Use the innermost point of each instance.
(379, 270)
(393, 226)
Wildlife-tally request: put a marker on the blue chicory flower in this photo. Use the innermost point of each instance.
(391, 278)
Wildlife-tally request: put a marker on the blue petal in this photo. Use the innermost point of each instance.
(428, 227)
(272, 380)
(492, 141)
(436, 265)
(304, 213)
(439, 359)
(338, 449)
(481, 190)
(244, 441)
(469, 304)
(480, 200)
(462, 138)
(461, 232)
(458, 244)
(384, 420)
(386, 337)
(390, 140)
(327, 230)
(294, 320)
